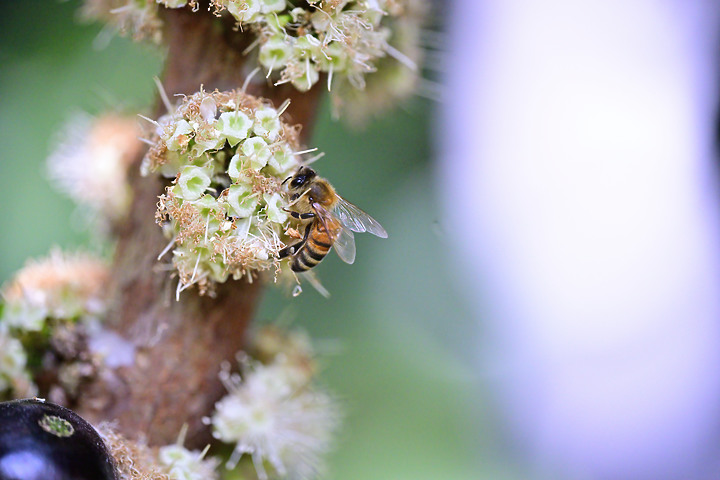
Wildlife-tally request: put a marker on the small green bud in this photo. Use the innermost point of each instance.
(256, 149)
(282, 161)
(241, 200)
(180, 136)
(275, 52)
(193, 182)
(274, 209)
(306, 46)
(244, 10)
(332, 56)
(234, 126)
(306, 81)
(270, 6)
(267, 123)
(236, 164)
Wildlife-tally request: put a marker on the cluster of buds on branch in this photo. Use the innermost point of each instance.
(228, 154)
(351, 43)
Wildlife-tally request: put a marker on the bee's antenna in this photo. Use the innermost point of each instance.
(288, 178)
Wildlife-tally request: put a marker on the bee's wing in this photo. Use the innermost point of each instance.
(312, 279)
(323, 215)
(344, 242)
(357, 220)
(345, 245)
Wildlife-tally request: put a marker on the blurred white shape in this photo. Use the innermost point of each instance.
(579, 185)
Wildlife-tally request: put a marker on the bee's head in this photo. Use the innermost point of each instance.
(302, 177)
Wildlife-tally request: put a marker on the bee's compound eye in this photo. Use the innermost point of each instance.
(297, 181)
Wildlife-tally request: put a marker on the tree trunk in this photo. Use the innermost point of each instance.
(179, 344)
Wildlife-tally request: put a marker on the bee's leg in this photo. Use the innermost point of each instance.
(301, 216)
(292, 249)
(296, 197)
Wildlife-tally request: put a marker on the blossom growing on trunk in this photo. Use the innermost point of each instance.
(228, 154)
(340, 42)
(137, 461)
(91, 160)
(60, 286)
(273, 412)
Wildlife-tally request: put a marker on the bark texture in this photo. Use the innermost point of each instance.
(179, 345)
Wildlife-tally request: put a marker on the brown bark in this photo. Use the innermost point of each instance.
(180, 345)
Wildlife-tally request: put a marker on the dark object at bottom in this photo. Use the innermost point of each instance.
(44, 441)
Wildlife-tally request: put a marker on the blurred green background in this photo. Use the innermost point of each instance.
(403, 341)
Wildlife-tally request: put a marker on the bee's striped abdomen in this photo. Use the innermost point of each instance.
(316, 247)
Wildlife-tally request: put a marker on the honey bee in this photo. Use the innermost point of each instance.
(334, 220)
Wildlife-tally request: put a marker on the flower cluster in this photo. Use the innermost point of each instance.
(137, 461)
(137, 18)
(396, 77)
(62, 286)
(228, 153)
(339, 38)
(14, 376)
(273, 413)
(41, 309)
(298, 41)
(91, 161)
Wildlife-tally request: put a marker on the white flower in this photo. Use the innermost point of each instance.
(91, 160)
(282, 161)
(173, 3)
(12, 361)
(183, 464)
(193, 182)
(275, 52)
(267, 123)
(180, 136)
(244, 10)
(274, 207)
(256, 149)
(234, 126)
(217, 211)
(62, 286)
(270, 6)
(274, 420)
(241, 200)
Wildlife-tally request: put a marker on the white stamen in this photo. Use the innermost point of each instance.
(307, 71)
(149, 120)
(163, 95)
(314, 159)
(309, 150)
(207, 226)
(249, 78)
(181, 436)
(251, 46)
(166, 249)
(401, 57)
(283, 107)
